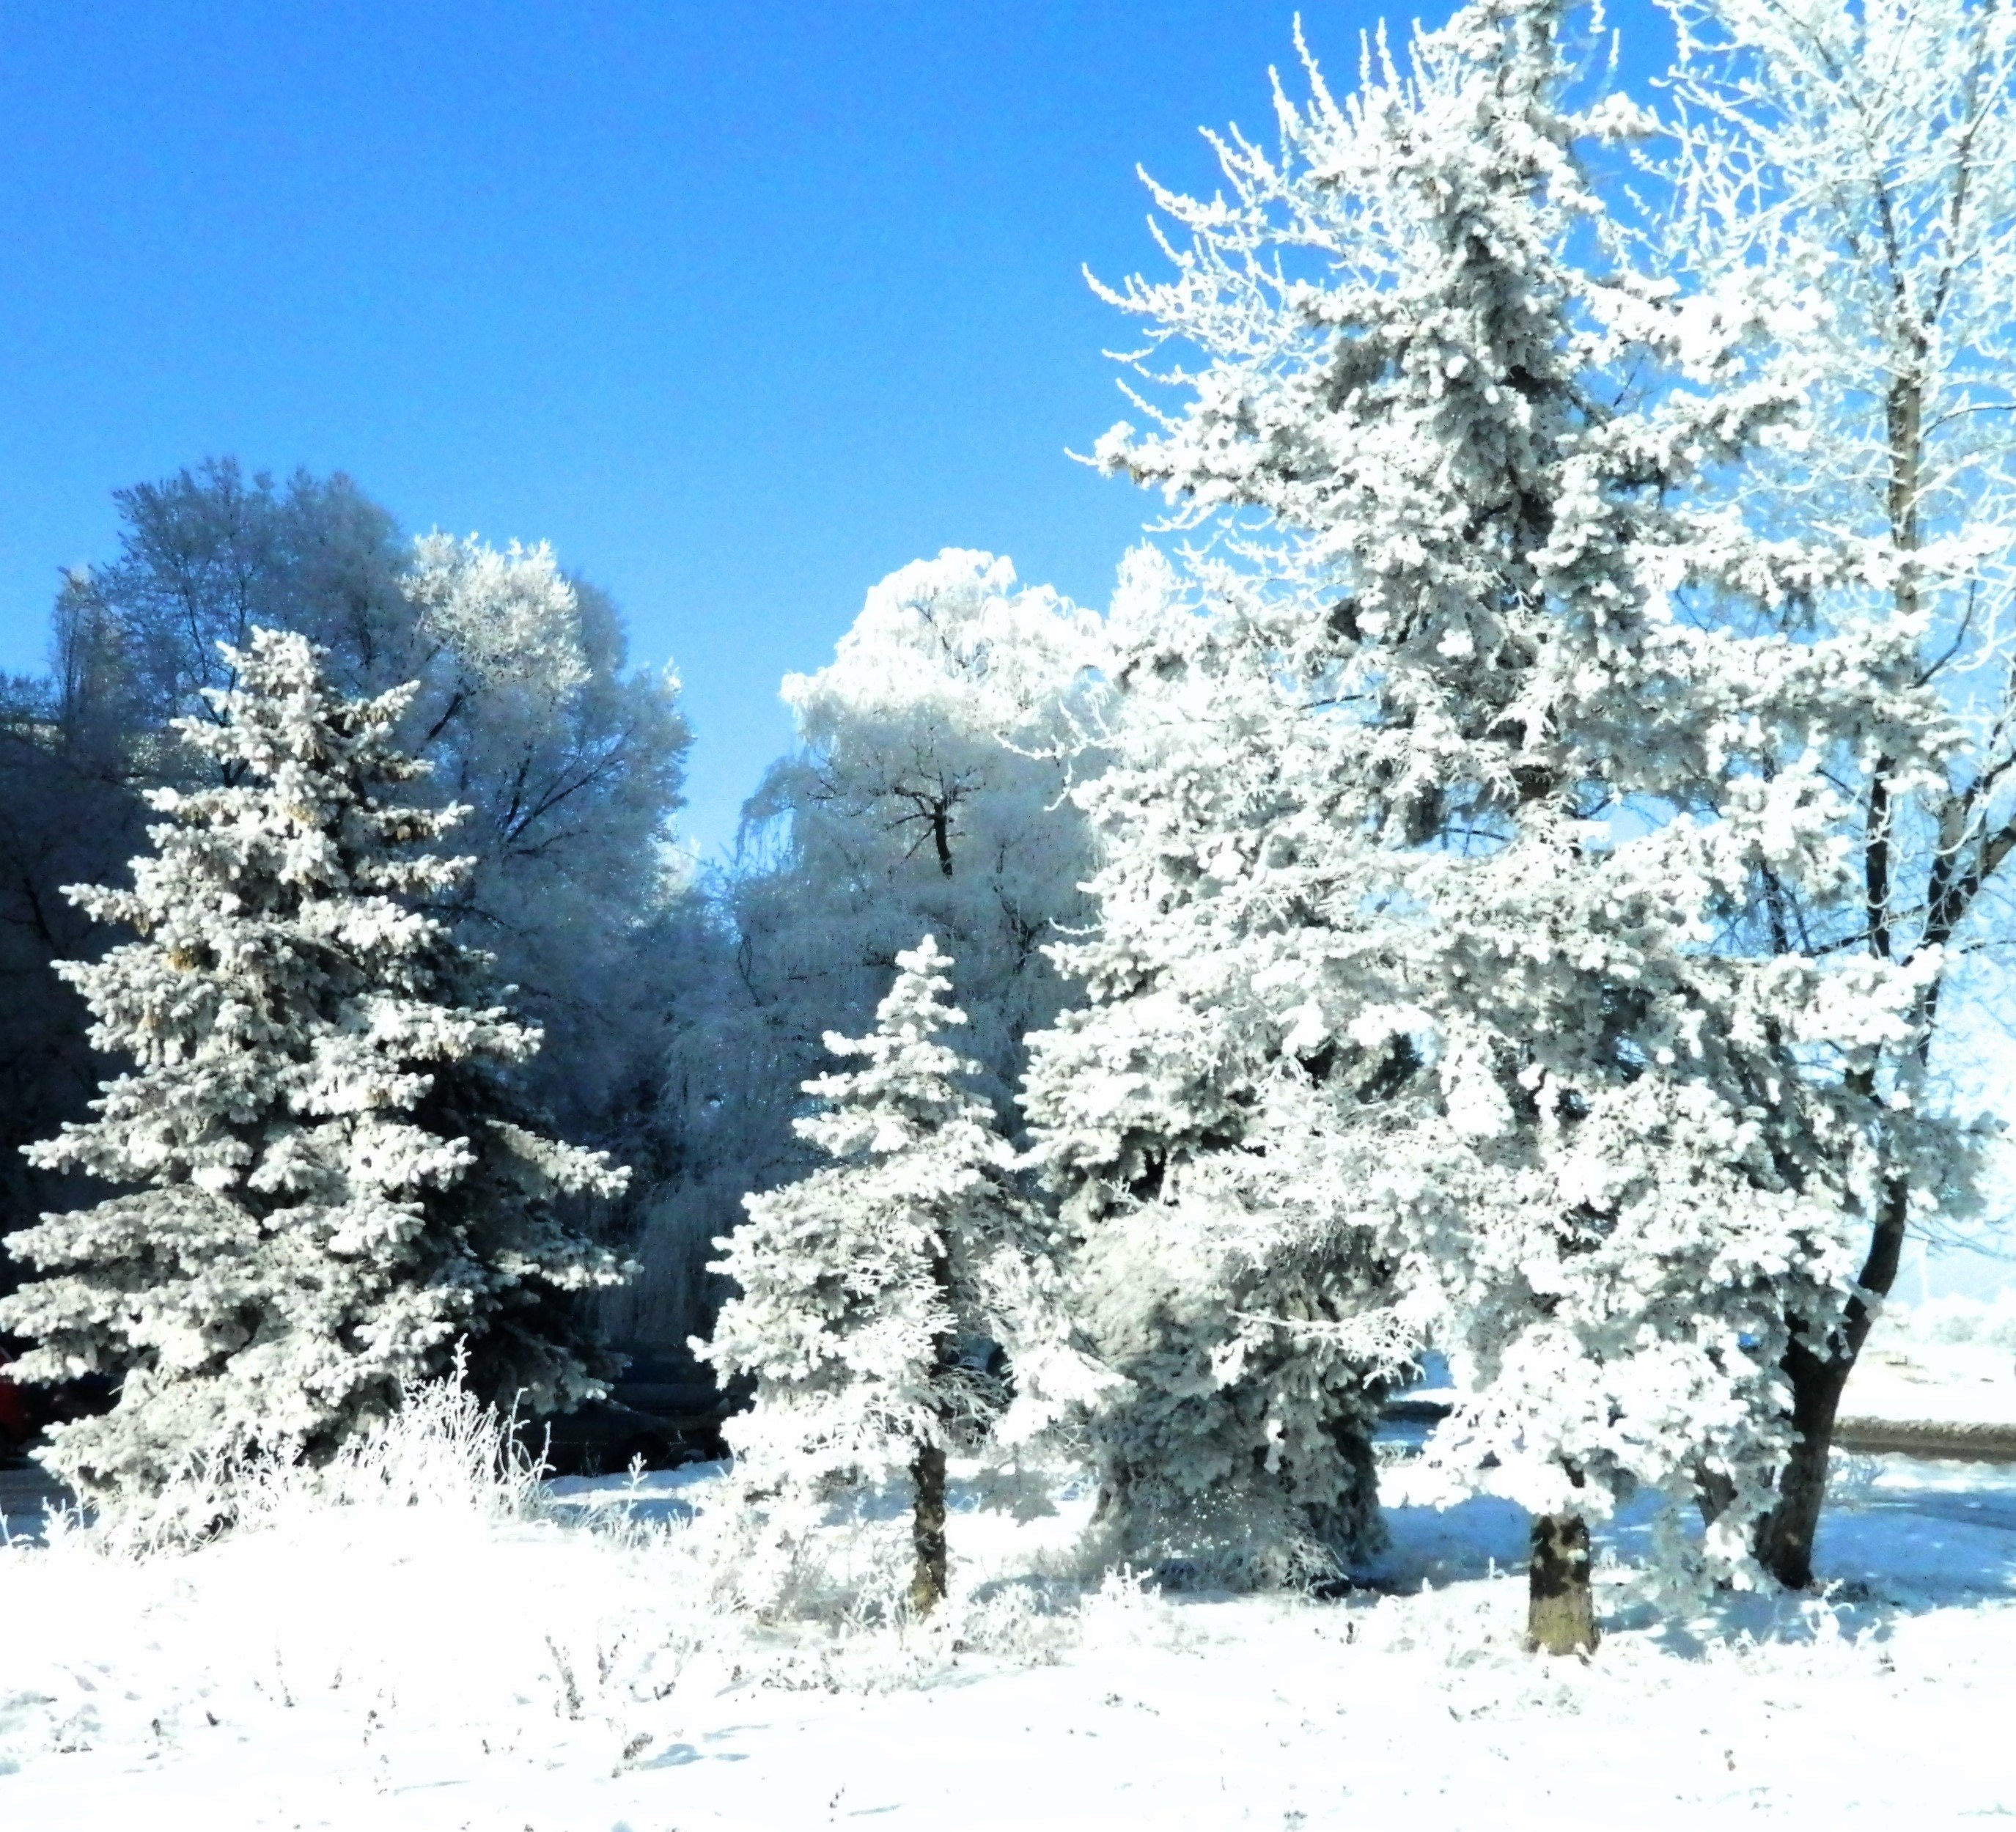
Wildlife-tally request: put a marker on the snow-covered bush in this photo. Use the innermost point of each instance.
(329, 1181)
(1230, 1447)
(440, 1453)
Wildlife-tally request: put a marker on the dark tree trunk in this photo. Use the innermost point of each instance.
(927, 1469)
(1560, 1607)
(1785, 1537)
(927, 1585)
(1715, 1493)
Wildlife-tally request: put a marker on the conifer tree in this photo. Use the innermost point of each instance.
(327, 1181)
(1225, 1445)
(1408, 1001)
(858, 1282)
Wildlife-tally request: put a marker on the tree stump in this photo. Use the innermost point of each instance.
(1561, 1608)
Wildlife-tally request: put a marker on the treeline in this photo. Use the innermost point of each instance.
(680, 1013)
(1501, 878)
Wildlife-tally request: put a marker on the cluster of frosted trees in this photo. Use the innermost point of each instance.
(1545, 801)
(333, 1147)
(1503, 878)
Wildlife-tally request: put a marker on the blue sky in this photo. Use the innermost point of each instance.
(741, 305)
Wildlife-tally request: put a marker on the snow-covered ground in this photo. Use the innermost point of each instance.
(456, 1662)
(449, 1671)
(1952, 1360)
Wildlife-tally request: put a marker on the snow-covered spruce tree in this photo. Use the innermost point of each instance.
(1847, 174)
(328, 1182)
(1406, 1002)
(857, 1283)
(1232, 1448)
(568, 760)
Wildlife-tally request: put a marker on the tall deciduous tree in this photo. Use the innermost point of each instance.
(1846, 175)
(927, 793)
(329, 1180)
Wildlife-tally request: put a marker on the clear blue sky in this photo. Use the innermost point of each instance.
(741, 305)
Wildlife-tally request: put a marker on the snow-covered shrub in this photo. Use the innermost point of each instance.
(1228, 1447)
(421, 1583)
(440, 1454)
(329, 1180)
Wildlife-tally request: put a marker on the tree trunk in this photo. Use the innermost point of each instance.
(1785, 1536)
(928, 1530)
(1714, 1494)
(1560, 1607)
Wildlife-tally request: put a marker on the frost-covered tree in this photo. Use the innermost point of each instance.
(928, 792)
(569, 760)
(856, 1284)
(328, 1179)
(1845, 175)
(1407, 1019)
(1234, 1443)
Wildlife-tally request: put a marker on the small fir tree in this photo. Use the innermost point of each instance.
(858, 1282)
(328, 1183)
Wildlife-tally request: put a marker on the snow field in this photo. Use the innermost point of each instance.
(1951, 1359)
(466, 1663)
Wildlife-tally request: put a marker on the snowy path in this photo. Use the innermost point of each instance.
(353, 1685)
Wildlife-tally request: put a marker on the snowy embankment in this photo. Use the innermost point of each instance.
(457, 1663)
(1952, 1361)
(1937, 1379)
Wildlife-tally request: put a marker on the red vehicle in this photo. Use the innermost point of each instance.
(16, 1425)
